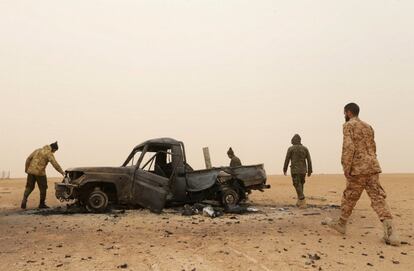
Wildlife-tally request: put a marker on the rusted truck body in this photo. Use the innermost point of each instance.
(156, 174)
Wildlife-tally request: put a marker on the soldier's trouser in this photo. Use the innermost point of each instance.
(298, 182)
(30, 185)
(354, 188)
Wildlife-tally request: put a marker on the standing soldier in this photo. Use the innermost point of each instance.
(301, 163)
(234, 160)
(362, 169)
(36, 172)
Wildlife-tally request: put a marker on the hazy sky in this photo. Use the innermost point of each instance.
(102, 76)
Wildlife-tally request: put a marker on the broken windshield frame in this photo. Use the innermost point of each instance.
(152, 159)
(132, 156)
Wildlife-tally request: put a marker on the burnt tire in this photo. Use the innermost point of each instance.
(230, 197)
(97, 201)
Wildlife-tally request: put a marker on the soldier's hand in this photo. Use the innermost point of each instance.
(347, 175)
(284, 173)
(309, 174)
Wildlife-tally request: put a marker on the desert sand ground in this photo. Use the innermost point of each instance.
(279, 237)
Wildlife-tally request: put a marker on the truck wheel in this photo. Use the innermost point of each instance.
(97, 201)
(230, 197)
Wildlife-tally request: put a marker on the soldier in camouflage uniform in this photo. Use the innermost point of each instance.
(301, 164)
(234, 160)
(362, 169)
(36, 172)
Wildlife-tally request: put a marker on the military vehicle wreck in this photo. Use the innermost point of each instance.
(156, 174)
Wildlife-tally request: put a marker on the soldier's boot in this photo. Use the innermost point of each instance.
(24, 203)
(390, 234)
(27, 192)
(43, 205)
(301, 204)
(338, 225)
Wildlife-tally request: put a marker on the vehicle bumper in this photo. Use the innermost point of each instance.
(65, 191)
(261, 187)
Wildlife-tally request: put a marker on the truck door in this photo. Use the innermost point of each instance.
(149, 188)
(178, 184)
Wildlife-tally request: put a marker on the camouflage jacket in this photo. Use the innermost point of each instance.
(37, 161)
(359, 151)
(299, 158)
(235, 162)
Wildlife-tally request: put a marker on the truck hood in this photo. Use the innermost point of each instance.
(81, 175)
(98, 169)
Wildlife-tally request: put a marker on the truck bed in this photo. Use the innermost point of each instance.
(251, 176)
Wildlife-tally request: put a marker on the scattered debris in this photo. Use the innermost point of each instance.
(314, 257)
(188, 210)
(122, 266)
(317, 198)
(215, 211)
(329, 206)
(211, 212)
(308, 214)
(252, 209)
(240, 209)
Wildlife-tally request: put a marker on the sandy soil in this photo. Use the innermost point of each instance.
(273, 239)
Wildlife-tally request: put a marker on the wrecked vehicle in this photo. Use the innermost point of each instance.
(156, 174)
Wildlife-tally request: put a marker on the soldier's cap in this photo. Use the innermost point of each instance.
(54, 146)
(230, 151)
(296, 139)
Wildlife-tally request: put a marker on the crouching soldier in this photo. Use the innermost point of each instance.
(301, 163)
(234, 160)
(36, 172)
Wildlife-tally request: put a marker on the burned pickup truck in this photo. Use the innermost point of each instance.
(156, 174)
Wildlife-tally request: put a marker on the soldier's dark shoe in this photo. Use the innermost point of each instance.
(43, 206)
(23, 205)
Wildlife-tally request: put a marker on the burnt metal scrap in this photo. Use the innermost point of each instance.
(215, 211)
(155, 175)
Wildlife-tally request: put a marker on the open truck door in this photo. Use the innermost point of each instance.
(150, 190)
(151, 183)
